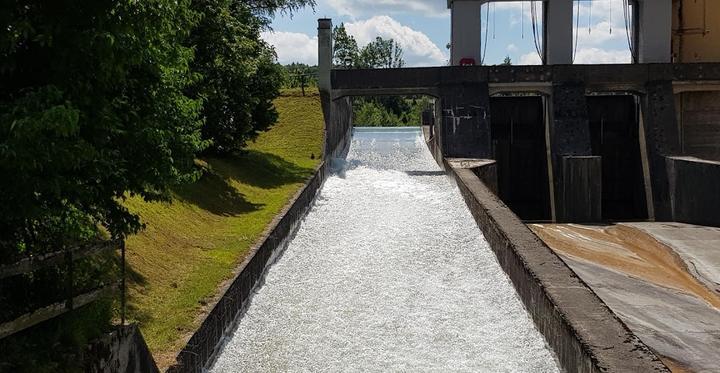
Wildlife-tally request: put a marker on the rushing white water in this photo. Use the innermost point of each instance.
(388, 272)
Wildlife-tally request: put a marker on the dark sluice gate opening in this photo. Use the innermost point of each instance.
(615, 136)
(518, 133)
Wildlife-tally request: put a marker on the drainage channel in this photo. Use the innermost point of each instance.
(388, 271)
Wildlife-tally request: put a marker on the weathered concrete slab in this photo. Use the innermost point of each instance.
(694, 190)
(662, 139)
(585, 334)
(666, 294)
(466, 120)
(697, 245)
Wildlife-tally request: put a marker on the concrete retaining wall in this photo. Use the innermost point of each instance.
(123, 350)
(221, 320)
(581, 329)
(338, 125)
(694, 190)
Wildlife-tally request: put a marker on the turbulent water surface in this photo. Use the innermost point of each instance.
(387, 272)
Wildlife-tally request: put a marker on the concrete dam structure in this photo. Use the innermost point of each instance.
(596, 186)
(555, 217)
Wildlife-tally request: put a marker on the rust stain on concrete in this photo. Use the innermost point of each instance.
(627, 250)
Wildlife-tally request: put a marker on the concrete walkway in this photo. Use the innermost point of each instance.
(661, 279)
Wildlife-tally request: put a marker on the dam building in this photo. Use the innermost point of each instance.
(597, 186)
(638, 130)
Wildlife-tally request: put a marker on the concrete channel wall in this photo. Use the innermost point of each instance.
(584, 333)
(122, 350)
(220, 322)
(204, 344)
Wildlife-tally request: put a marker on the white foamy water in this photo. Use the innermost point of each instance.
(388, 272)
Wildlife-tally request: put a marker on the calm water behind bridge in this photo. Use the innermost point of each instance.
(388, 272)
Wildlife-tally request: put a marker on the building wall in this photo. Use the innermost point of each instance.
(465, 32)
(699, 118)
(696, 31)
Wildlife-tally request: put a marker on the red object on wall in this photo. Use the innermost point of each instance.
(467, 61)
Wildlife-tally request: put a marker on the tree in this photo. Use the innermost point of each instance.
(507, 61)
(238, 76)
(381, 53)
(107, 117)
(268, 8)
(345, 48)
(299, 75)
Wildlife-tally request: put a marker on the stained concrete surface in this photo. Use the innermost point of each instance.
(661, 279)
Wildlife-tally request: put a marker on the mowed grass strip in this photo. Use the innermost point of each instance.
(194, 244)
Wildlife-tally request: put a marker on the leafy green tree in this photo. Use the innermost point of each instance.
(91, 108)
(269, 8)
(345, 48)
(299, 75)
(507, 61)
(238, 76)
(381, 53)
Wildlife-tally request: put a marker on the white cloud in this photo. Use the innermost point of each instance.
(293, 46)
(418, 49)
(601, 56)
(531, 58)
(511, 48)
(358, 8)
(600, 33)
(585, 56)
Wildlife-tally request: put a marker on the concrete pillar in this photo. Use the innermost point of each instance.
(325, 53)
(466, 120)
(662, 139)
(465, 33)
(654, 31)
(558, 32)
(576, 174)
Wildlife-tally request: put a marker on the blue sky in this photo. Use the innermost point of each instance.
(422, 28)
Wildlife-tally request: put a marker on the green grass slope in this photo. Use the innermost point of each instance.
(193, 244)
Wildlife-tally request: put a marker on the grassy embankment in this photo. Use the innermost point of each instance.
(192, 245)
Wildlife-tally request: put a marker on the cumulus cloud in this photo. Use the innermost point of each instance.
(531, 58)
(585, 56)
(357, 8)
(600, 33)
(418, 49)
(601, 56)
(293, 46)
(511, 48)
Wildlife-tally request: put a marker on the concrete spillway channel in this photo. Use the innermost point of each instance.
(388, 271)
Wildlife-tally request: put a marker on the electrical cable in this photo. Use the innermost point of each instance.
(487, 21)
(590, 17)
(522, 20)
(494, 17)
(628, 27)
(577, 29)
(611, 20)
(535, 29)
